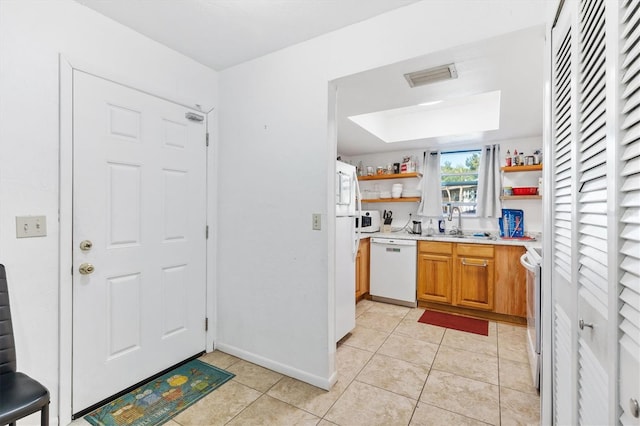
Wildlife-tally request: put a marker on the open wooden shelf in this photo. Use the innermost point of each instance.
(394, 176)
(521, 197)
(393, 200)
(532, 168)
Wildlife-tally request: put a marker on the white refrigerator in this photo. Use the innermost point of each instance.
(347, 241)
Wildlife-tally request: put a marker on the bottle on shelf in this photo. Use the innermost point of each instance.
(430, 230)
(516, 158)
(507, 161)
(540, 186)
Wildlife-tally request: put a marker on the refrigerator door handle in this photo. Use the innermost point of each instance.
(356, 240)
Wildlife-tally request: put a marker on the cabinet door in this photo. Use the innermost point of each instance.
(510, 287)
(475, 282)
(434, 278)
(364, 266)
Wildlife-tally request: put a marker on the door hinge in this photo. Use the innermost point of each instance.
(206, 324)
(207, 139)
(206, 233)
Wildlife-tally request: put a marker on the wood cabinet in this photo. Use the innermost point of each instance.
(510, 278)
(484, 279)
(434, 274)
(474, 276)
(362, 269)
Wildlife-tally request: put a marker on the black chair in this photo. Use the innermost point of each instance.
(20, 395)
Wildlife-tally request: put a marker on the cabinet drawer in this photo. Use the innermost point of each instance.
(475, 250)
(435, 247)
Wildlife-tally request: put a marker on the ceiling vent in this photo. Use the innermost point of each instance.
(431, 75)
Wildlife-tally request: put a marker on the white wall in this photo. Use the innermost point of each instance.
(32, 34)
(277, 156)
(274, 293)
(401, 211)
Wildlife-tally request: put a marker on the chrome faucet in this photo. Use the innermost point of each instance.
(458, 229)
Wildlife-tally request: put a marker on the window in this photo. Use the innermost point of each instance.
(459, 179)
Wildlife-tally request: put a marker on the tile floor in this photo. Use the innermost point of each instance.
(392, 370)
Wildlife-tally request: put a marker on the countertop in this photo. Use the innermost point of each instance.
(404, 235)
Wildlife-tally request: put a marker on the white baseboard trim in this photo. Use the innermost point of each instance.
(312, 379)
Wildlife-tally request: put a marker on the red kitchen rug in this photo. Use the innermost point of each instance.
(456, 322)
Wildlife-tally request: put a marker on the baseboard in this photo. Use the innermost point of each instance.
(312, 379)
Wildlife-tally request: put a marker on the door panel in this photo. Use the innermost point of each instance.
(591, 221)
(629, 228)
(140, 198)
(563, 233)
(434, 278)
(475, 283)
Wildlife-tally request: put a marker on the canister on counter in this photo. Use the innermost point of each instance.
(441, 225)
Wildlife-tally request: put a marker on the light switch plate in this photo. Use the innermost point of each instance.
(31, 226)
(316, 219)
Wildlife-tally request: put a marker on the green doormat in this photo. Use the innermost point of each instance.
(159, 400)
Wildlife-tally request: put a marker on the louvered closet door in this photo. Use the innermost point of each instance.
(564, 130)
(592, 254)
(562, 193)
(629, 347)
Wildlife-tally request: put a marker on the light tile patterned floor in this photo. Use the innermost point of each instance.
(392, 370)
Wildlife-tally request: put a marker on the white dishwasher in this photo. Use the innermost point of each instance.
(393, 271)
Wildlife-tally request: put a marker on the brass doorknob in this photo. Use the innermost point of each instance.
(86, 269)
(85, 245)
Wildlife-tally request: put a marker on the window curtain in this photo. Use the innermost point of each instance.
(489, 183)
(431, 203)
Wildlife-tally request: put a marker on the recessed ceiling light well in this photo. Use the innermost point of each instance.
(431, 75)
(459, 116)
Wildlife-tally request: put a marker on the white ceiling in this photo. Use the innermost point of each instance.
(511, 63)
(223, 33)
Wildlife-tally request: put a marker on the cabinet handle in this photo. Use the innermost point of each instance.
(484, 264)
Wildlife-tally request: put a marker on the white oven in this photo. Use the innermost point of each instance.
(532, 261)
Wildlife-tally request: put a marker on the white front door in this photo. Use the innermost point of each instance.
(139, 218)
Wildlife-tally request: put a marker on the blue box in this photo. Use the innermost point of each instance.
(511, 223)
